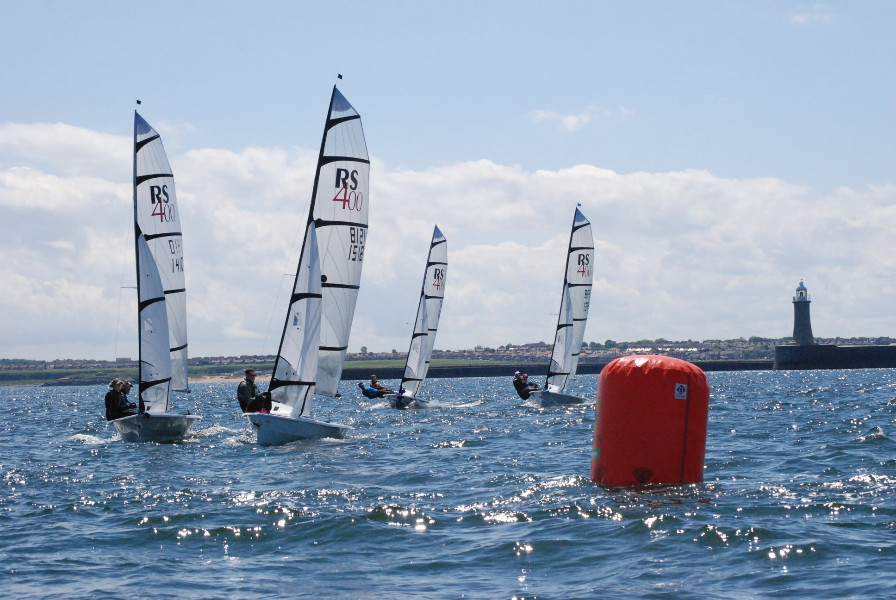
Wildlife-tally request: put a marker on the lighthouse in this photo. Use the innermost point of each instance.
(802, 325)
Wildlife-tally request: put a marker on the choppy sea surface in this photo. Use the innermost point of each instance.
(478, 496)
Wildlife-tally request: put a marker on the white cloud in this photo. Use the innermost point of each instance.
(680, 255)
(817, 14)
(571, 122)
(574, 122)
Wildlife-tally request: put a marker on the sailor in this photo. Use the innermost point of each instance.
(529, 384)
(522, 385)
(125, 390)
(374, 389)
(252, 399)
(116, 404)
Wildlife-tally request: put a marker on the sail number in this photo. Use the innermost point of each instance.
(159, 199)
(177, 258)
(584, 265)
(357, 236)
(347, 193)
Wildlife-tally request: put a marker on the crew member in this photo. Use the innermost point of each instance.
(522, 385)
(250, 397)
(116, 404)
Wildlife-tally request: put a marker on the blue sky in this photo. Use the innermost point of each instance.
(722, 152)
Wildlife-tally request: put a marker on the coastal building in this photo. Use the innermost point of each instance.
(804, 354)
(802, 323)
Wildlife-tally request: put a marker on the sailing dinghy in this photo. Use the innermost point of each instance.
(162, 323)
(312, 348)
(292, 382)
(432, 293)
(573, 315)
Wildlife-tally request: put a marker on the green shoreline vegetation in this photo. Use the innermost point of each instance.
(21, 372)
(103, 375)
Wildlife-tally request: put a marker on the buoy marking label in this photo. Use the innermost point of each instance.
(681, 391)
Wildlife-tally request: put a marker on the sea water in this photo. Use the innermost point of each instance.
(478, 496)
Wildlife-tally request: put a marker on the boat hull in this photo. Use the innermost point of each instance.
(166, 427)
(402, 402)
(546, 398)
(275, 430)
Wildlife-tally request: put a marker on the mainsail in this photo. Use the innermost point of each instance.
(156, 217)
(292, 382)
(429, 309)
(339, 205)
(573, 305)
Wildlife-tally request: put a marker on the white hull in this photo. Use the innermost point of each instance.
(275, 430)
(546, 398)
(405, 401)
(166, 427)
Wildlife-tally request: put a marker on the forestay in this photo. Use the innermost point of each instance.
(157, 217)
(577, 285)
(292, 382)
(429, 309)
(339, 207)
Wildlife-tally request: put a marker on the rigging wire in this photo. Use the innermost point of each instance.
(285, 276)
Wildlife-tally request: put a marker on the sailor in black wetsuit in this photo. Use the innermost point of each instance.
(523, 386)
(117, 405)
(252, 399)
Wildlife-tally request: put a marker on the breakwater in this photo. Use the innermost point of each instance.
(831, 356)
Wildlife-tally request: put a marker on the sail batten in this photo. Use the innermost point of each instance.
(429, 309)
(574, 304)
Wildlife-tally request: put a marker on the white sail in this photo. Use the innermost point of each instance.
(158, 219)
(561, 356)
(429, 309)
(292, 382)
(339, 208)
(155, 362)
(577, 285)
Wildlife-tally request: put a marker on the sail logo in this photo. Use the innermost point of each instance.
(349, 195)
(438, 278)
(159, 200)
(584, 265)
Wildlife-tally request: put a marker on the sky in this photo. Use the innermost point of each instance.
(722, 151)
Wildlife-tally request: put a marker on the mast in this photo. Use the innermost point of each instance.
(137, 234)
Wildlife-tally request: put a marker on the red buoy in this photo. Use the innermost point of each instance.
(650, 422)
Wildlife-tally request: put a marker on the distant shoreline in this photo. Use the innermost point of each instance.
(353, 372)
